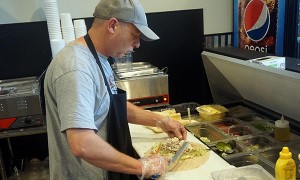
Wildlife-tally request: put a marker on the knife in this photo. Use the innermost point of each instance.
(179, 153)
(175, 157)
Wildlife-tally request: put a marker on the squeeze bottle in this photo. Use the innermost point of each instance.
(282, 130)
(285, 168)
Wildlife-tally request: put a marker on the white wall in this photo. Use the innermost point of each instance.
(218, 14)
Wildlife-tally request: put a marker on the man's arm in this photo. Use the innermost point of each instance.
(85, 144)
(137, 115)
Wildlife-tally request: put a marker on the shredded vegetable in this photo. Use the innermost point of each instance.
(169, 147)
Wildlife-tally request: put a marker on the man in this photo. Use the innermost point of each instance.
(86, 114)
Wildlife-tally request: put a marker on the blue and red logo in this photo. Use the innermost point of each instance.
(256, 20)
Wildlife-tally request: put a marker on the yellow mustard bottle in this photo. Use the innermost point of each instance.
(285, 168)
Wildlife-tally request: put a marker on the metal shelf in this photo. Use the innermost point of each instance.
(23, 131)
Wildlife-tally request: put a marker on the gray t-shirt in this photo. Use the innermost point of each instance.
(76, 97)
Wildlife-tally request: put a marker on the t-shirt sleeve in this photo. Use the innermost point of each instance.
(75, 92)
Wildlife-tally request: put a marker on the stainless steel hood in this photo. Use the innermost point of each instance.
(233, 79)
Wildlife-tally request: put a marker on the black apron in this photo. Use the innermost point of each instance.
(118, 134)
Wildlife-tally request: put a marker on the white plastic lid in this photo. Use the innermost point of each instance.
(282, 123)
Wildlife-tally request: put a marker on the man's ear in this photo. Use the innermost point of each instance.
(112, 24)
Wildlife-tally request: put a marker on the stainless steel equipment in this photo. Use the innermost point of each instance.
(20, 104)
(146, 85)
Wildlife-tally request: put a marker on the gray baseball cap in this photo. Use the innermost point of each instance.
(129, 11)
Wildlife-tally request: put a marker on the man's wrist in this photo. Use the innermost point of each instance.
(164, 119)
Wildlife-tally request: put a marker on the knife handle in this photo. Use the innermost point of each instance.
(155, 176)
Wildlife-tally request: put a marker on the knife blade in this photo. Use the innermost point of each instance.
(175, 157)
(179, 153)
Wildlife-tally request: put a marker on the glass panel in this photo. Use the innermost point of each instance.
(298, 37)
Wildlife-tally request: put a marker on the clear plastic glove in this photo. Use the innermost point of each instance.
(154, 165)
(172, 128)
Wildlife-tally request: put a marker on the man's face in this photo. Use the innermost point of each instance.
(127, 38)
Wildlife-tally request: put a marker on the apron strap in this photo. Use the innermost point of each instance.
(91, 46)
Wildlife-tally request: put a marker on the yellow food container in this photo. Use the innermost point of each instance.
(212, 112)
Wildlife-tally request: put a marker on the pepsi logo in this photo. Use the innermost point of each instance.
(256, 20)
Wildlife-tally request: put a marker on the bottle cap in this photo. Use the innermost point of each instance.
(285, 153)
(282, 123)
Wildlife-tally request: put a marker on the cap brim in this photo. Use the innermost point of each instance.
(147, 33)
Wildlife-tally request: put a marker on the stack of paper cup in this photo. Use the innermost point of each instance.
(52, 16)
(54, 28)
(67, 27)
(56, 46)
(80, 28)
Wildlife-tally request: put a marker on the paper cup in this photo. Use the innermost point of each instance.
(56, 46)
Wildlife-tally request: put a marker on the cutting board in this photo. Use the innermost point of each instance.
(143, 139)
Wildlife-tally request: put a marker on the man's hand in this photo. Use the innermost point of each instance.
(154, 165)
(172, 128)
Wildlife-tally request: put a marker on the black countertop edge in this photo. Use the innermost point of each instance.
(291, 64)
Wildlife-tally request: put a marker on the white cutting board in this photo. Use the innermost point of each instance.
(143, 139)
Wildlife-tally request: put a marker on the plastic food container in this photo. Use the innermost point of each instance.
(251, 172)
(212, 112)
(259, 142)
(241, 160)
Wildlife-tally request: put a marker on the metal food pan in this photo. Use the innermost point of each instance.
(252, 117)
(139, 72)
(295, 145)
(273, 154)
(140, 64)
(260, 142)
(205, 132)
(124, 67)
(238, 148)
(133, 64)
(294, 137)
(226, 123)
(239, 111)
(241, 160)
(241, 130)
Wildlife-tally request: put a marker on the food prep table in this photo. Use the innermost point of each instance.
(143, 139)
